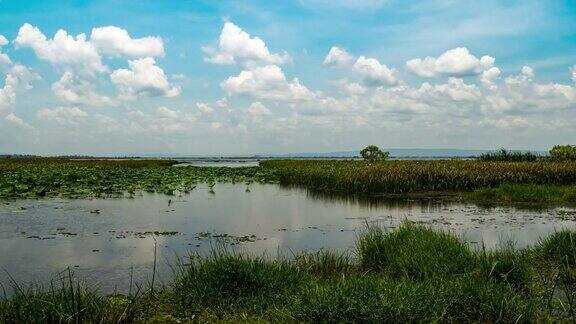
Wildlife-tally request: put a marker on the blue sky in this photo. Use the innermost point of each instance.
(242, 77)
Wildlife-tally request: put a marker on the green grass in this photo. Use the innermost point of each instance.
(28, 178)
(513, 193)
(408, 274)
(486, 182)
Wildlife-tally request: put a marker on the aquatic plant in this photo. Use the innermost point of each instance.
(21, 178)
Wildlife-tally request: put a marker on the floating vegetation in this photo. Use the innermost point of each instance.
(418, 176)
(29, 178)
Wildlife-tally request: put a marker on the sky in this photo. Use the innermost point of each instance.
(113, 77)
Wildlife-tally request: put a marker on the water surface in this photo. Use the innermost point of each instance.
(105, 240)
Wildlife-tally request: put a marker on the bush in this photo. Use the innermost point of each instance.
(374, 153)
(510, 156)
(563, 153)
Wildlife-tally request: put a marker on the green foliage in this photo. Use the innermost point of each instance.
(509, 156)
(418, 176)
(374, 153)
(82, 178)
(563, 153)
(413, 252)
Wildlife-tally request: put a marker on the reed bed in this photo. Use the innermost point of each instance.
(408, 274)
(399, 177)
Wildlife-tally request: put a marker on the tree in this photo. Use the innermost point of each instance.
(373, 153)
(563, 152)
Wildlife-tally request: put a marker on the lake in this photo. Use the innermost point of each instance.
(108, 241)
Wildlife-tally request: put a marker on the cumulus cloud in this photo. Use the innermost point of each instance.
(235, 46)
(488, 77)
(373, 72)
(63, 115)
(338, 57)
(267, 82)
(17, 121)
(4, 59)
(72, 53)
(204, 107)
(76, 91)
(258, 109)
(18, 79)
(455, 62)
(115, 41)
(143, 78)
(573, 70)
(369, 69)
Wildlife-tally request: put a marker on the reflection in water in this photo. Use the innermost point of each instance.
(102, 239)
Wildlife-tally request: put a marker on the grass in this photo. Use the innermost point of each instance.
(29, 178)
(409, 274)
(498, 182)
(513, 193)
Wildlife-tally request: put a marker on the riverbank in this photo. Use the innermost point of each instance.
(407, 274)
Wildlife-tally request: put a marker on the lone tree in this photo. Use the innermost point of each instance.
(373, 153)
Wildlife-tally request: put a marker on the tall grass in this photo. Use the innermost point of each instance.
(418, 176)
(408, 274)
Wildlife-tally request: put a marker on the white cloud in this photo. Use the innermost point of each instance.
(222, 103)
(65, 50)
(236, 46)
(204, 107)
(258, 109)
(143, 78)
(488, 77)
(165, 112)
(528, 71)
(373, 72)
(18, 79)
(4, 59)
(63, 115)
(115, 41)
(455, 62)
(338, 57)
(267, 82)
(17, 121)
(76, 91)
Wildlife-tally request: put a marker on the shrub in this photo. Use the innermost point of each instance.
(510, 156)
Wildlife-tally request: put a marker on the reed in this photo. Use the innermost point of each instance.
(399, 177)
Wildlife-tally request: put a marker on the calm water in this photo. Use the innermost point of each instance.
(102, 240)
